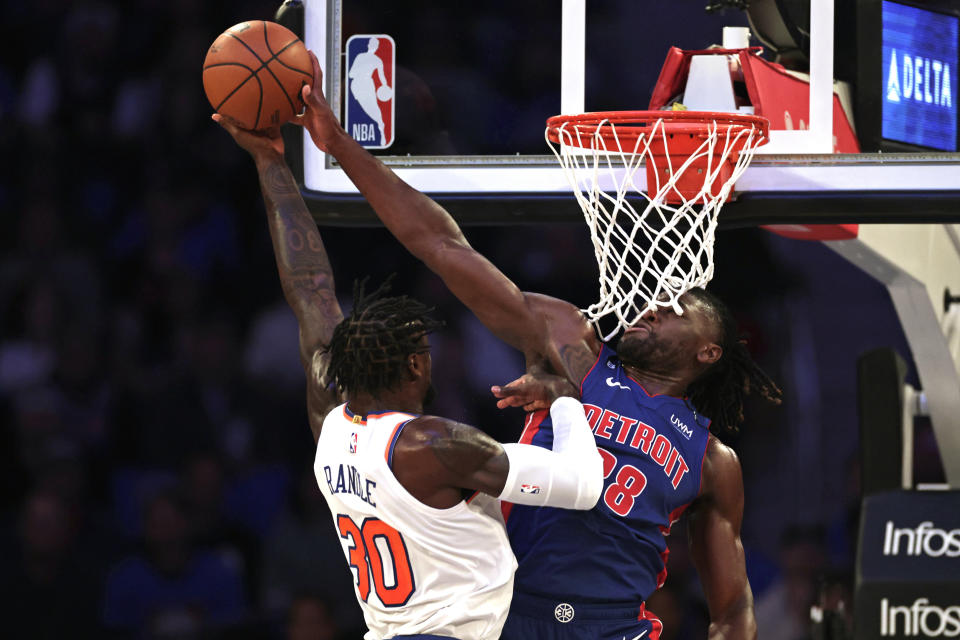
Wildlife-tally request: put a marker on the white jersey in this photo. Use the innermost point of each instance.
(417, 569)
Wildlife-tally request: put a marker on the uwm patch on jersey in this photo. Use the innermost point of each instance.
(369, 90)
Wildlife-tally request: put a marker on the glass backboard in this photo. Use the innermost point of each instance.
(473, 84)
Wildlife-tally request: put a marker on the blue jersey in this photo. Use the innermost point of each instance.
(653, 449)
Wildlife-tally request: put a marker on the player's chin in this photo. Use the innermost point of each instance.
(632, 339)
(633, 347)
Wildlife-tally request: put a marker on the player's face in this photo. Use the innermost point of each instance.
(662, 339)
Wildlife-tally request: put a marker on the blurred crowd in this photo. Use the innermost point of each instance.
(155, 459)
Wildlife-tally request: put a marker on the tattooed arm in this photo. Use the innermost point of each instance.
(305, 273)
(306, 278)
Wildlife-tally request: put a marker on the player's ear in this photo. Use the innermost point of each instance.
(415, 368)
(709, 353)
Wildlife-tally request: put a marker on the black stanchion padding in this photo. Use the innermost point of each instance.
(880, 379)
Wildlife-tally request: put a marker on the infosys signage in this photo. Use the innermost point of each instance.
(921, 618)
(924, 540)
(920, 76)
(907, 611)
(908, 566)
(910, 535)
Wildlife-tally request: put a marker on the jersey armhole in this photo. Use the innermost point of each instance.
(603, 346)
(391, 445)
(703, 461)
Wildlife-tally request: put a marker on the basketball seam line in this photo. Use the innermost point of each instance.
(228, 64)
(284, 64)
(237, 88)
(273, 56)
(263, 65)
(253, 74)
(294, 69)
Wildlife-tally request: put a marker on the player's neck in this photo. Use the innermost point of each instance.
(657, 383)
(365, 403)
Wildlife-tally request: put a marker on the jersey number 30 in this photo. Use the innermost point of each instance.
(627, 484)
(378, 552)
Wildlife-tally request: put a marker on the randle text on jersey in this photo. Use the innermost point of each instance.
(349, 480)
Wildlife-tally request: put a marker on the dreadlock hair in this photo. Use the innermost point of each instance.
(369, 348)
(719, 392)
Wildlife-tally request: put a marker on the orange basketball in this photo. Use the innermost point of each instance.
(254, 72)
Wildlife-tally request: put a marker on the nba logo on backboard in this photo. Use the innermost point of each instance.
(369, 90)
(353, 442)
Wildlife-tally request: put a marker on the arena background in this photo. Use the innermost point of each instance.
(155, 460)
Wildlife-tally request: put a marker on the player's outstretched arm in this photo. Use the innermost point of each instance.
(305, 272)
(714, 530)
(436, 458)
(431, 234)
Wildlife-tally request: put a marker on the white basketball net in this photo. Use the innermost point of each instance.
(649, 252)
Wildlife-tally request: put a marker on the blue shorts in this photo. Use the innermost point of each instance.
(535, 617)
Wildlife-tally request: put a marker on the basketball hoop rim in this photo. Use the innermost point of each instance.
(661, 242)
(630, 125)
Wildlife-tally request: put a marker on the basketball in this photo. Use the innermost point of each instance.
(384, 93)
(254, 72)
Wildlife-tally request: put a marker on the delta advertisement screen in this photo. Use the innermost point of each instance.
(920, 76)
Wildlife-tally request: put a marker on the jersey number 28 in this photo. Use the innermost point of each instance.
(627, 484)
(378, 554)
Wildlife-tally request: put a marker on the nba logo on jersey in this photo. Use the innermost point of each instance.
(529, 488)
(369, 90)
(353, 442)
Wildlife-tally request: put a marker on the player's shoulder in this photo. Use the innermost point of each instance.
(326, 416)
(431, 430)
(720, 454)
(424, 427)
(438, 453)
(721, 467)
(454, 445)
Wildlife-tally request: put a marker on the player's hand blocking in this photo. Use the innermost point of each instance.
(533, 390)
(317, 118)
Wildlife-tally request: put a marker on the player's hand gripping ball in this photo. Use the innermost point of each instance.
(254, 72)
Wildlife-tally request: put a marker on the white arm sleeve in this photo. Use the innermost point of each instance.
(570, 476)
